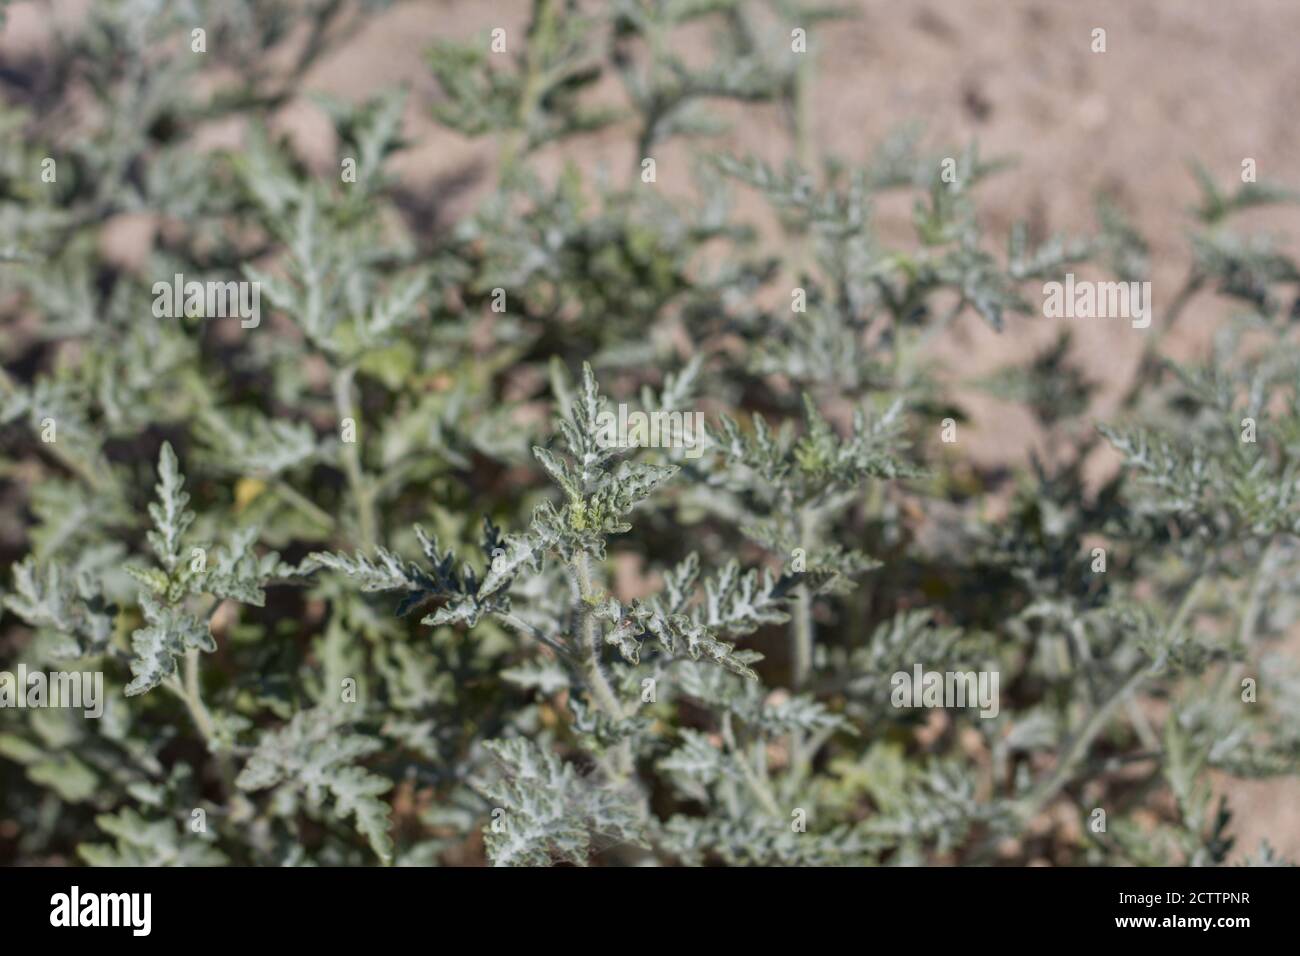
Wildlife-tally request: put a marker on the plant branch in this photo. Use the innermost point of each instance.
(294, 498)
(759, 788)
(516, 623)
(361, 492)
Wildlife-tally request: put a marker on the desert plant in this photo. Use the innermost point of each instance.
(355, 599)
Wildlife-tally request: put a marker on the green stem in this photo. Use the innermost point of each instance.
(1141, 725)
(516, 623)
(804, 631)
(804, 257)
(804, 750)
(361, 492)
(1251, 610)
(602, 692)
(908, 356)
(1191, 285)
(1255, 597)
(804, 636)
(190, 693)
(803, 138)
(657, 106)
(519, 141)
(291, 496)
(756, 784)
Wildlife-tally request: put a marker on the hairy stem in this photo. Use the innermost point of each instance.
(589, 634)
(803, 631)
(361, 492)
(193, 697)
(190, 692)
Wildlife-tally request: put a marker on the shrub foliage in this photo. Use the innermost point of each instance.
(367, 585)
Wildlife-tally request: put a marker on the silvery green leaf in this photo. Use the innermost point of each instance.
(545, 676)
(740, 604)
(388, 573)
(313, 758)
(138, 841)
(239, 573)
(247, 443)
(519, 552)
(801, 714)
(48, 598)
(543, 812)
(679, 635)
(356, 794)
(170, 515)
(559, 471)
(696, 764)
(463, 611)
(170, 634)
(41, 599)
